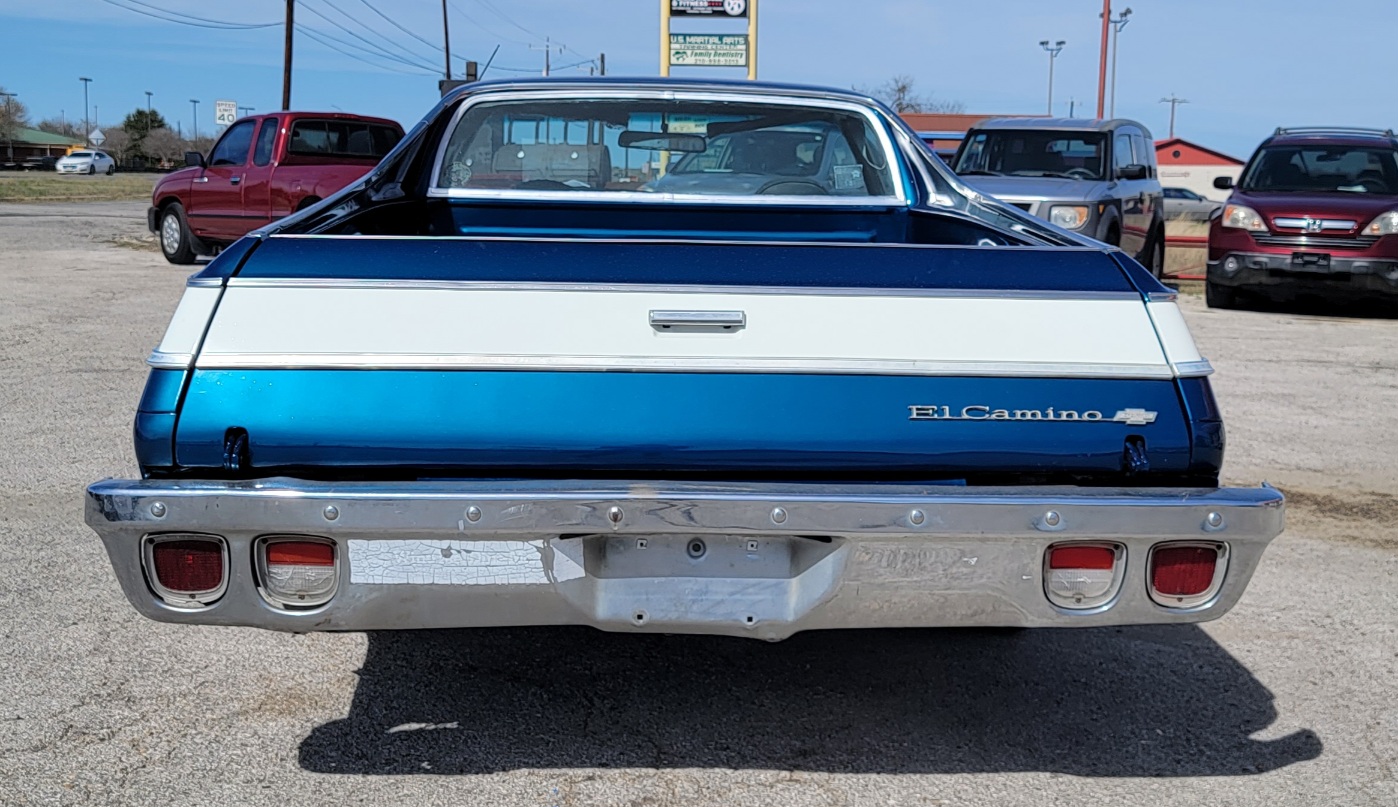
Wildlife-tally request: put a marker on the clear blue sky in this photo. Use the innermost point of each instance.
(1246, 66)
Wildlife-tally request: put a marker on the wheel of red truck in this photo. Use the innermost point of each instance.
(174, 235)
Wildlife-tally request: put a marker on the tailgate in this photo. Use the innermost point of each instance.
(471, 356)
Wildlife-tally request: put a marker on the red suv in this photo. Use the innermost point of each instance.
(1314, 210)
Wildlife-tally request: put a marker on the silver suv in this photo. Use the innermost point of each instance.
(1093, 177)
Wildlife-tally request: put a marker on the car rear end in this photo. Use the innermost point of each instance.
(1315, 211)
(739, 439)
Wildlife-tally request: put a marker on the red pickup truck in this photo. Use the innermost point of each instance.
(262, 168)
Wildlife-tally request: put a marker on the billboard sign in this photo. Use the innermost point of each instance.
(708, 50)
(705, 8)
(225, 112)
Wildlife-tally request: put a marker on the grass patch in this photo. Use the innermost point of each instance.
(24, 186)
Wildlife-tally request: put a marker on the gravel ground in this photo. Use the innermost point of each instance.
(1289, 700)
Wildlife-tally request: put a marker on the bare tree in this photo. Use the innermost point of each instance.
(13, 117)
(900, 93)
(164, 145)
(59, 127)
(118, 143)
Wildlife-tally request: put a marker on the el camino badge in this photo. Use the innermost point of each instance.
(1131, 417)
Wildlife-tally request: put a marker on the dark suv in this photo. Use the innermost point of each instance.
(1094, 177)
(1314, 210)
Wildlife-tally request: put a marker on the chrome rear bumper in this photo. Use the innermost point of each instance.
(771, 560)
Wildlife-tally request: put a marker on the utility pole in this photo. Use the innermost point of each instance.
(548, 52)
(195, 102)
(602, 64)
(446, 39)
(243, 111)
(86, 128)
(286, 54)
(1053, 51)
(1173, 102)
(148, 113)
(1072, 106)
(1118, 22)
(1102, 59)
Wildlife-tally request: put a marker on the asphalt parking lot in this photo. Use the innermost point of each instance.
(1289, 700)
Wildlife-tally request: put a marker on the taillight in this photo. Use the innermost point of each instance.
(1185, 574)
(1083, 575)
(298, 572)
(187, 570)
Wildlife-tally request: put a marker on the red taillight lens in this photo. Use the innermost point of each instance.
(1183, 571)
(301, 553)
(189, 566)
(1082, 557)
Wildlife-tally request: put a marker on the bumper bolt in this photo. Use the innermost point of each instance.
(1052, 518)
(158, 509)
(615, 515)
(778, 515)
(916, 517)
(331, 512)
(1213, 520)
(473, 513)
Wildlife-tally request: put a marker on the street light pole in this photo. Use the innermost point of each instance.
(195, 124)
(1053, 51)
(148, 112)
(86, 128)
(1118, 22)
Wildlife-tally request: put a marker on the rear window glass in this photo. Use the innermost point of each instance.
(670, 146)
(341, 138)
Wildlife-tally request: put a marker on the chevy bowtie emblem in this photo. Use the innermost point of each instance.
(1131, 417)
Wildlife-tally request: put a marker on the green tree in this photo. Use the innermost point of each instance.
(139, 124)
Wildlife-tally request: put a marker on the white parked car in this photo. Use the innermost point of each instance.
(87, 162)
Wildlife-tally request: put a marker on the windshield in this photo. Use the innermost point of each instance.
(677, 146)
(1339, 169)
(81, 154)
(1071, 155)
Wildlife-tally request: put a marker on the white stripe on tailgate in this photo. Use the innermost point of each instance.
(611, 329)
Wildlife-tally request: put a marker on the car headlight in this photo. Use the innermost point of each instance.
(1383, 224)
(1240, 217)
(1069, 217)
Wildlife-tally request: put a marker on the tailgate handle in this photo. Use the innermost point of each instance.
(718, 320)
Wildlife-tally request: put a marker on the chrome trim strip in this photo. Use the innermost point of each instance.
(455, 361)
(170, 361)
(691, 242)
(204, 282)
(1325, 224)
(666, 94)
(822, 291)
(1193, 369)
(918, 555)
(1162, 296)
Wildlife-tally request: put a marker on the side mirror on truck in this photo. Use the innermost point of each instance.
(193, 158)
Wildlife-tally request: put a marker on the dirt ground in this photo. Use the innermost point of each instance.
(1288, 700)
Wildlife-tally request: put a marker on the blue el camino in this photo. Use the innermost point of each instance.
(683, 357)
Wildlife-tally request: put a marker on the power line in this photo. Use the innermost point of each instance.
(185, 19)
(502, 15)
(317, 36)
(377, 49)
(476, 21)
(395, 24)
(370, 29)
